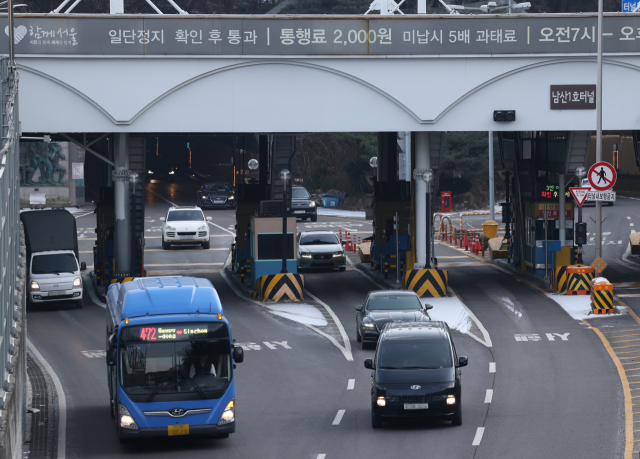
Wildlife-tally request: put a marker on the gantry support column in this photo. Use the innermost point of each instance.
(122, 240)
(422, 199)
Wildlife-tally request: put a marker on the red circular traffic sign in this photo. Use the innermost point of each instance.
(602, 176)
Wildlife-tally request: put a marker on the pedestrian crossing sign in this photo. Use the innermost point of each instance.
(598, 265)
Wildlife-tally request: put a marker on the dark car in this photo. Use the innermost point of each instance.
(159, 169)
(302, 204)
(215, 195)
(386, 306)
(416, 374)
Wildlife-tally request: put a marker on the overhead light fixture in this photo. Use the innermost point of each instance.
(504, 115)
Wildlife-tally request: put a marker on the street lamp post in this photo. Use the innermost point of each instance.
(284, 175)
(133, 180)
(580, 173)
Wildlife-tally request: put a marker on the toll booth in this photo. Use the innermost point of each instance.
(265, 242)
(537, 243)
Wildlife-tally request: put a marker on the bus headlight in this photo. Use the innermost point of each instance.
(229, 413)
(126, 420)
(34, 286)
(77, 282)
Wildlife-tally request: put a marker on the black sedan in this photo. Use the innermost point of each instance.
(215, 195)
(387, 306)
(302, 204)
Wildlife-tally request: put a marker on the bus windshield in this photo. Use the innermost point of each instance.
(155, 363)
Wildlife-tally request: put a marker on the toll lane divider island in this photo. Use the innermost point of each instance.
(427, 282)
(170, 359)
(276, 287)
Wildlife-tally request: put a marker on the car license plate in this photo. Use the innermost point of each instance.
(56, 292)
(187, 237)
(218, 201)
(416, 406)
(298, 211)
(178, 429)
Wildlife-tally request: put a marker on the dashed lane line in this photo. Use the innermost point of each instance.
(478, 438)
(351, 384)
(492, 367)
(488, 396)
(338, 418)
(321, 456)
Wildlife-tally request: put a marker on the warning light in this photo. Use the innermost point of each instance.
(219, 316)
(126, 321)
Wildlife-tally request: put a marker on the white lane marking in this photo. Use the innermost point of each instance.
(351, 384)
(485, 334)
(489, 396)
(92, 294)
(527, 337)
(492, 367)
(83, 215)
(628, 218)
(94, 354)
(321, 456)
(563, 337)
(283, 344)
(269, 345)
(62, 402)
(346, 349)
(223, 229)
(478, 438)
(631, 224)
(336, 421)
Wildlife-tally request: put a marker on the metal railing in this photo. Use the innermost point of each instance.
(11, 247)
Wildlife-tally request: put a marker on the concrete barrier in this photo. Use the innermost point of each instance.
(427, 282)
(634, 240)
(276, 287)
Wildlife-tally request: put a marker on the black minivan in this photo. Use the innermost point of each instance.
(416, 374)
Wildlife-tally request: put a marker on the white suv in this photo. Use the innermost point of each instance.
(185, 225)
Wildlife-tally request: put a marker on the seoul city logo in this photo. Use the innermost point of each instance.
(18, 33)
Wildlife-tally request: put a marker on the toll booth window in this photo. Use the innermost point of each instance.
(185, 215)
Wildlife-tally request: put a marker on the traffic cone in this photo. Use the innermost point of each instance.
(473, 245)
(465, 243)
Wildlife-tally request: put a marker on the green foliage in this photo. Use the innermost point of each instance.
(469, 153)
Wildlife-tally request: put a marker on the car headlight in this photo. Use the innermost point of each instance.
(369, 325)
(34, 286)
(77, 282)
(126, 420)
(202, 227)
(312, 204)
(231, 198)
(451, 399)
(171, 172)
(169, 228)
(338, 254)
(150, 172)
(381, 401)
(229, 413)
(305, 255)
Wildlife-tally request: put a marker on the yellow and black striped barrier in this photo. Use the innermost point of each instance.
(579, 280)
(559, 278)
(121, 281)
(276, 287)
(427, 282)
(602, 298)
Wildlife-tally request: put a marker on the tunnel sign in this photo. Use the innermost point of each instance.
(602, 176)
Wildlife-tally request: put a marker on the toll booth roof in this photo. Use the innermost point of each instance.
(167, 295)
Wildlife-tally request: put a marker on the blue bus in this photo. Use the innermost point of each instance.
(170, 359)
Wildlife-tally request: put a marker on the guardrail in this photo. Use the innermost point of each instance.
(12, 342)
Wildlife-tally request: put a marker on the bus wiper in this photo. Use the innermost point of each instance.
(162, 381)
(193, 383)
